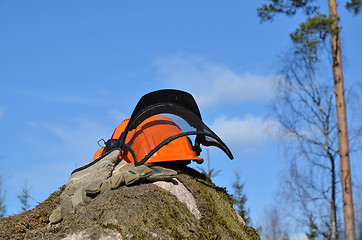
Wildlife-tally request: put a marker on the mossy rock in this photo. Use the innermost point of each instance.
(143, 211)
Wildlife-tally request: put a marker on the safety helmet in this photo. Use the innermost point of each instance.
(160, 124)
(149, 134)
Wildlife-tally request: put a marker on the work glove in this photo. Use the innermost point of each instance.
(127, 174)
(107, 173)
(73, 198)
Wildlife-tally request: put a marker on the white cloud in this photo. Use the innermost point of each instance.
(246, 133)
(211, 83)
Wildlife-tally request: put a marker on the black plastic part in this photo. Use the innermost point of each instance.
(166, 141)
(111, 144)
(178, 97)
(101, 140)
(95, 161)
(196, 147)
(174, 102)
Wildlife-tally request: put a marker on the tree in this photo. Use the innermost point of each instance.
(24, 197)
(210, 172)
(312, 234)
(358, 212)
(2, 198)
(309, 36)
(274, 225)
(240, 199)
(304, 109)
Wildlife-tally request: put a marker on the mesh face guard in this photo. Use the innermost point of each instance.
(182, 109)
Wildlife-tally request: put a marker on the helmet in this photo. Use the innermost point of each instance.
(98, 153)
(159, 129)
(151, 134)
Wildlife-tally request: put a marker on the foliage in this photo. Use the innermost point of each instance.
(304, 109)
(311, 34)
(314, 30)
(2, 198)
(319, 151)
(354, 6)
(312, 234)
(24, 198)
(267, 12)
(240, 199)
(210, 172)
(358, 212)
(275, 226)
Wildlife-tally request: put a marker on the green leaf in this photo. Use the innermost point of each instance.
(267, 12)
(311, 33)
(354, 6)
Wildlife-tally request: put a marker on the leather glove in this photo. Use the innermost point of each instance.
(127, 174)
(73, 198)
(104, 175)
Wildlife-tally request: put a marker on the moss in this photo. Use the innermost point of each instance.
(146, 211)
(217, 207)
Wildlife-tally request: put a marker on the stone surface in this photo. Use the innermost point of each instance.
(189, 207)
(179, 190)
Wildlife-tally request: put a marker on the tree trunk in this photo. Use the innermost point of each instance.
(333, 202)
(346, 179)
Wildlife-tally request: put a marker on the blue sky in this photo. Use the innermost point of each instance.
(70, 71)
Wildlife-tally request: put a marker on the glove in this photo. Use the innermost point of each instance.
(73, 198)
(124, 174)
(96, 178)
(127, 174)
(160, 173)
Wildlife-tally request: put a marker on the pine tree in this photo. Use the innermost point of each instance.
(210, 172)
(2, 199)
(312, 234)
(309, 37)
(240, 199)
(24, 197)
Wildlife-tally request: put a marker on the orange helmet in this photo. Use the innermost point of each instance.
(149, 135)
(159, 129)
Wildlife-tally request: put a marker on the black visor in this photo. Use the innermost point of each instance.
(182, 109)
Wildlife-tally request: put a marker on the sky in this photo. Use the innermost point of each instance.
(71, 71)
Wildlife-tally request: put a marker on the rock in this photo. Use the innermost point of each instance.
(189, 207)
(179, 190)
